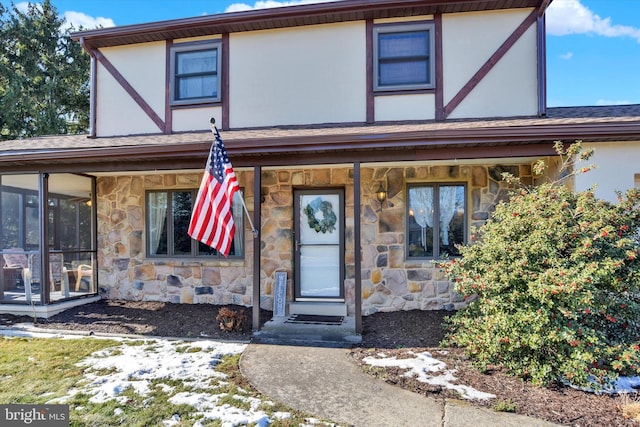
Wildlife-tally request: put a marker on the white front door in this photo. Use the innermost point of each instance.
(319, 245)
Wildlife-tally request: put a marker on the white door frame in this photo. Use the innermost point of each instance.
(319, 244)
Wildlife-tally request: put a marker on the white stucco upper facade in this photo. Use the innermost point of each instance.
(617, 168)
(142, 66)
(468, 41)
(317, 74)
(297, 76)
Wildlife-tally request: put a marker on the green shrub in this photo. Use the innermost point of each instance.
(554, 281)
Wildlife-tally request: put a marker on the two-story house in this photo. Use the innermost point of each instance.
(368, 137)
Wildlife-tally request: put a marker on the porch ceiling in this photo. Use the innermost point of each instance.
(464, 139)
(265, 19)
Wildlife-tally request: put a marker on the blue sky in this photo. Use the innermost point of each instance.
(593, 46)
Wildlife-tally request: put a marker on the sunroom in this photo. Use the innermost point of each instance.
(56, 208)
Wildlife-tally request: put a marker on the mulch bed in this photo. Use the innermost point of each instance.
(401, 334)
(145, 318)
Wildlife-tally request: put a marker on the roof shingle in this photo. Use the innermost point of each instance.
(556, 117)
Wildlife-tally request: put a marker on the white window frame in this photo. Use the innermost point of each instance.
(194, 47)
(429, 27)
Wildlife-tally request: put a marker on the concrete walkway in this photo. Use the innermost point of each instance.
(326, 383)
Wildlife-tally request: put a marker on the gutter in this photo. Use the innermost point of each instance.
(541, 42)
(294, 145)
(93, 87)
(280, 17)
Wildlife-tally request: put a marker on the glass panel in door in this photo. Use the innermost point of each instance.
(319, 244)
(72, 257)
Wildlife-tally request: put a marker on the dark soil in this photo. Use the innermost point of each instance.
(145, 318)
(394, 334)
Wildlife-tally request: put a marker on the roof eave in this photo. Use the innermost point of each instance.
(339, 11)
(293, 146)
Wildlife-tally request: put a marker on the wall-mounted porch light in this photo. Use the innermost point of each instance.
(381, 194)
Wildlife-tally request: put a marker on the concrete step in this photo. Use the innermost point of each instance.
(305, 341)
(318, 308)
(277, 331)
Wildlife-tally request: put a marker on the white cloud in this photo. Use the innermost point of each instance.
(612, 102)
(75, 19)
(572, 17)
(23, 6)
(265, 4)
(567, 56)
(79, 19)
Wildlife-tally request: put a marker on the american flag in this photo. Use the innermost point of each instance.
(212, 219)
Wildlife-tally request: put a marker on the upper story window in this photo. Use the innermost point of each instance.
(436, 220)
(168, 217)
(195, 73)
(403, 57)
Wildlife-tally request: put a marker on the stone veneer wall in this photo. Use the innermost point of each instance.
(277, 224)
(389, 281)
(124, 270)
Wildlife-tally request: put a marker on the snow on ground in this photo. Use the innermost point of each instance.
(132, 365)
(622, 385)
(135, 364)
(429, 370)
(24, 330)
(625, 385)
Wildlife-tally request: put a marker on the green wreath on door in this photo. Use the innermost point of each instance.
(328, 222)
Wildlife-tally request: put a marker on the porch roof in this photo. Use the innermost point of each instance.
(282, 146)
(280, 17)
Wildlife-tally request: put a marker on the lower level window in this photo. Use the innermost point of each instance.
(168, 217)
(435, 220)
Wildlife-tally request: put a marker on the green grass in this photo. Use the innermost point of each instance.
(188, 349)
(505, 406)
(38, 370)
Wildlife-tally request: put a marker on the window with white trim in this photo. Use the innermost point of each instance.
(436, 219)
(168, 217)
(403, 57)
(195, 73)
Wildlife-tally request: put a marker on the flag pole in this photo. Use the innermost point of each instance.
(214, 129)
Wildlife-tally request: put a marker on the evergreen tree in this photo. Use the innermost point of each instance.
(44, 75)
